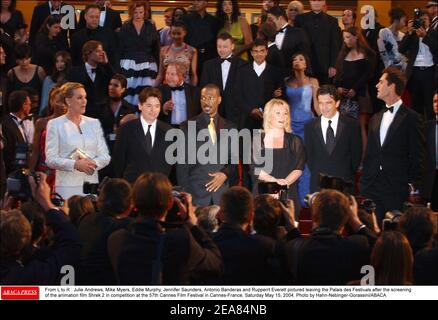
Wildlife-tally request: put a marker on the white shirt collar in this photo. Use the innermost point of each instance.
(259, 68)
(271, 44)
(53, 10)
(396, 106)
(334, 120)
(145, 125)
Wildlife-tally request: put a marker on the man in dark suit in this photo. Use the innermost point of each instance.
(324, 35)
(151, 252)
(205, 179)
(333, 142)
(421, 49)
(95, 74)
(268, 32)
(259, 82)
(92, 31)
(109, 18)
(141, 146)
(202, 29)
(430, 187)
(182, 100)
(16, 128)
(222, 72)
(289, 40)
(395, 151)
(39, 15)
(248, 259)
(327, 257)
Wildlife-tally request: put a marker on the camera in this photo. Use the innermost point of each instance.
(274, 188)
(418, 20)
(368, 205)
(17, 183)
(174, 215)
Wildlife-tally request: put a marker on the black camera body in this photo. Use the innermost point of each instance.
(329, 182)
(418, 20)
(174, 215)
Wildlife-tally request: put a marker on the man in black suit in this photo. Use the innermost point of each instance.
(39, 15)
(202, 29)
(223, 72)
(205, 179)
(327, 257)
(95, 74)
(333, 142)
(140, 145)
(248, 259)
(151, 252)
(109, 18)
(324, 35)
(92, 31)
(111, 114)
(259, 82)
(395, 151)
(421, 49)
(430, 187)
(268, 32)
(289, 40)
(182, 101)
(17, 130)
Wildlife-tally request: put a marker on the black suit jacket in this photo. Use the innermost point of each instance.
(194, 177)
(430, 159)
(401, 156)
(130, 158)
(40, 13)
(106, 36)
(97, 91)
(192, 101)
(324, 35)
(276, 59)
(248, 259)
(294, 41)
(345, 158)
(257, 91)
(212, 74)
(112, 20)
(11, 135)
(410, 45)
(187, 254)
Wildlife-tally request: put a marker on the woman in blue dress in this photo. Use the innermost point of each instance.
(300, 92)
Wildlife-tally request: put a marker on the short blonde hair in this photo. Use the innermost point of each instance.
(269, 111)
(297, 4)
(68, 89)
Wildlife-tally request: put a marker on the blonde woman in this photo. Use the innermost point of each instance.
(75, 146)
(283, 151)
(294, 9)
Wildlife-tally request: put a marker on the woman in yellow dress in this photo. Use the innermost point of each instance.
(232, 22)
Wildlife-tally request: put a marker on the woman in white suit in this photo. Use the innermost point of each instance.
(75, 145)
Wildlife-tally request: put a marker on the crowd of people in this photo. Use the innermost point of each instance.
(87, 178)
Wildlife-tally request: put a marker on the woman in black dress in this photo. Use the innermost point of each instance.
(139, 51)
(278, 155)
(10, 18)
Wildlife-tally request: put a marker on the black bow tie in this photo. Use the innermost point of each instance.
(227, 59)
(102, 9)
(93, 70)
(180, 88)
(282, 30)
(390, 109)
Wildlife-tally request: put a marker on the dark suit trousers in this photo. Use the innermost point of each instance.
(386, 199)
(421, 87)
(434, 195)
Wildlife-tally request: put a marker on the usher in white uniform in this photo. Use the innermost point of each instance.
(63, 138)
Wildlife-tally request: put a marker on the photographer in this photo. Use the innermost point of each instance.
(420, 46)
(153, 252)
(16, 235)
(326, 257)
(113, 205)
(249, 259)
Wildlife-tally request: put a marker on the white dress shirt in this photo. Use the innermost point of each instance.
(225, 67)
(102, 17)
(26, 128)
(90, 73)
(279, 38)
(387, 119)
(53, 11)
(153, 129)
(259, 68)
(179, 112)
(325, 123)
(63, 138)
(424, 56)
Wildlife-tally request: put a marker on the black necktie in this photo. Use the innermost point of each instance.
(227, 59)
(148, 140)
(330, 138)
(180, 88)
(390, 109)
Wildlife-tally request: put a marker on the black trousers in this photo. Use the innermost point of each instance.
(385, 198)
(434, 196)
(422, 86)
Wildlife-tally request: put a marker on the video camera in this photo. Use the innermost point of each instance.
(418, 20)
(17, 183)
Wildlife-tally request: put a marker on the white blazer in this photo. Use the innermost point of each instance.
(63, 138)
